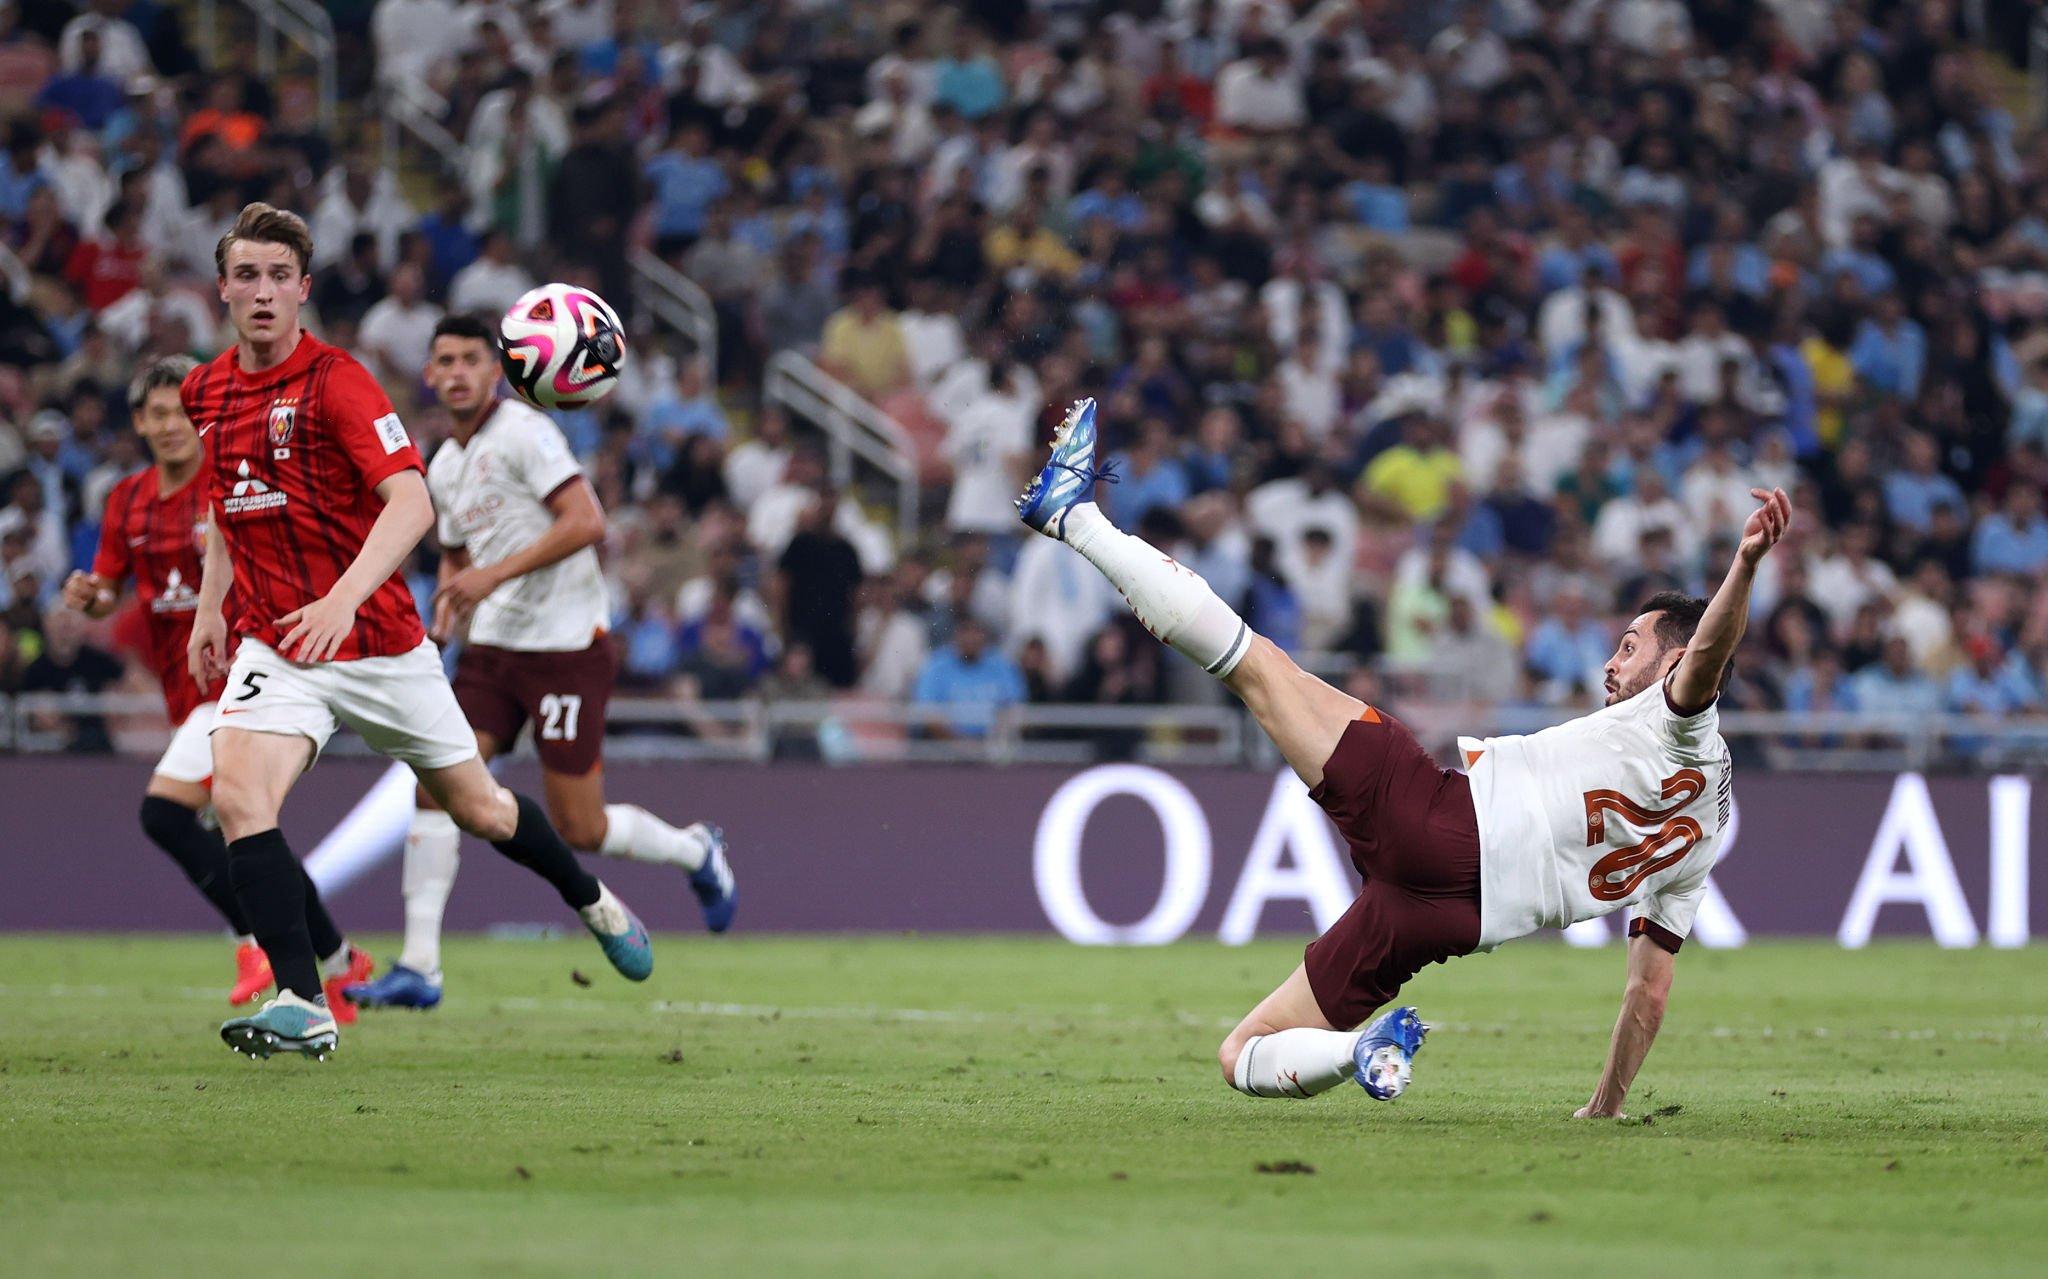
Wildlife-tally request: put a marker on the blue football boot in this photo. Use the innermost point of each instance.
(1385, 1053)
(1069, 475)
(712, 882)
(621, 934)
(286, 1024)
(402, 987)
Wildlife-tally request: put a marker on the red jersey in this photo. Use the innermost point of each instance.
(160, 539)
(298, 451)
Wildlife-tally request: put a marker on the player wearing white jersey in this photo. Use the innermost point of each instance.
(519, 527)
(1623, 809)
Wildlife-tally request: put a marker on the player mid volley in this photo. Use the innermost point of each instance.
(318, 500)
(154, 529)
(519, 523)
(1622, 809)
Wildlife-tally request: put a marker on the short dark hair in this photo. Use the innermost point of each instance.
(466, 324)
(1678, 616)
(261, 223)
(169, 371)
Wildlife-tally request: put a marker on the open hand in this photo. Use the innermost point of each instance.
(1766, 524)
(464, 591)
(318, 629)
(206, 652)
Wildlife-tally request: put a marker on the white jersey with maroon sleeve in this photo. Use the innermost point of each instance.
(1623, 809)
(491, 496)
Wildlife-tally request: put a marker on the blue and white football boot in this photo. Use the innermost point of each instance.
(622, 936)
(1385, 1052)
(712, 882)
(1069, 475)
(286, 1024)
(401, 987)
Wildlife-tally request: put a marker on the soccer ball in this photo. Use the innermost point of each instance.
(562, 346)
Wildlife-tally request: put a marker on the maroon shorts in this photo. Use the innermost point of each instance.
(564, 694)
(1415, 840)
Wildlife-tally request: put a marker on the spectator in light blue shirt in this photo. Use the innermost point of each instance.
(1913, 491)
(2015, 539)
(1989, 684)
(968, 80)
(1376, 203)
(20, 172)
(1569, 646)
(1893, 686)
(1889, 352)
(684, 409)
(686, 182)
(970, 680)
(1110, 197)
(1565, 262)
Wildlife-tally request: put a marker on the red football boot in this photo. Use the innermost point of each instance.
(360, 966)
(252, 973)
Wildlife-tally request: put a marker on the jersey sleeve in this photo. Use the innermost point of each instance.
(443, 492)
(1666, 916)
(367, 427)
(112, 562)
(544, 460)
(1688, 735)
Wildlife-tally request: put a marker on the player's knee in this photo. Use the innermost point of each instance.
(163, 819)
(1226, 1054)
(580, 832)
(486, 812)
(244, 809)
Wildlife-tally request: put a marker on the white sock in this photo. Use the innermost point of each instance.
(1295, 1063)
(245, 939)
(635, 834)
(1174, 603)
(336, 964)
(433, 851)
(605, 915)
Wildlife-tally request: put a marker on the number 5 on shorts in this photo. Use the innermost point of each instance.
(558, 712)
(252, 684)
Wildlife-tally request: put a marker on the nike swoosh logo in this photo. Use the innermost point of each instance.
(230, 712)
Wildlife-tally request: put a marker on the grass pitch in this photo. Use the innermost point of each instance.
(963, 1107)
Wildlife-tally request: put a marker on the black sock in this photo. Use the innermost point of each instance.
(269, 884)
(201, 853)
(537, 846)
(320, 929)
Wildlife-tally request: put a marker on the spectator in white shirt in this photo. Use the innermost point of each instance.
(124, 59)
(413, 37)
(359, 196)
(988, 445)
(1261, 94)
(1469, 54)
(493, 282)
(1619, 531)
(397, 332)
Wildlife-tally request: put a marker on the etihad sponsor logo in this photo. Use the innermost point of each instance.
(251, 495)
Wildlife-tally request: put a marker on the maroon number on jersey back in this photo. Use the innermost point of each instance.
(297, 452)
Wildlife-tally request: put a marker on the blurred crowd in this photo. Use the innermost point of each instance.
(1435, 336)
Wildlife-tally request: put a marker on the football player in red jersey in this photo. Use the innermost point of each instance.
(319, 497)
(154, 528)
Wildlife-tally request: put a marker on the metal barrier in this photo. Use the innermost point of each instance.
(854, 428)
(303, 23)
(676, 300)
(857, 731)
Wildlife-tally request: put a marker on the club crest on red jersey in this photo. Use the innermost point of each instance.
(284, 419)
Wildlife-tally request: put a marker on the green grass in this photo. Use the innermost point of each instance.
(963, 1107)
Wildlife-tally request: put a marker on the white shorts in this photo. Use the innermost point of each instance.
(189, 757)
(401, 706)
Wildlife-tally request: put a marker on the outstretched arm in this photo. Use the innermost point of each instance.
(1697, 679)
(1642, 1012)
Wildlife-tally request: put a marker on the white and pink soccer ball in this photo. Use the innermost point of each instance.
(562, 346)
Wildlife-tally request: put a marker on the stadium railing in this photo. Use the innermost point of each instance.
(678, 301)
(303, 23)
(859, 731)
(854, 427)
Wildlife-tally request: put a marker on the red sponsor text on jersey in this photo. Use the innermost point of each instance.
(297, 453)
(159, 539)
